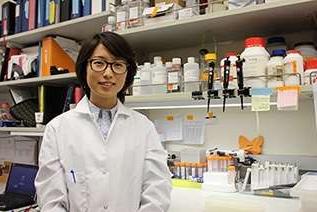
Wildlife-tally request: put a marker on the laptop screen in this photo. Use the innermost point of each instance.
(21, 179)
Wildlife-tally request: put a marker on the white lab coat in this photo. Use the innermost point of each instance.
(80, 171)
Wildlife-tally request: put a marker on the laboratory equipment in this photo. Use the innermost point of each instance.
(242, 91)
(227, 93)
(212, 93)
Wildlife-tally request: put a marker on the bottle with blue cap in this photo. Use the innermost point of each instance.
(275, 69)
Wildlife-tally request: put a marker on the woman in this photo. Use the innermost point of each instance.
(103, 156)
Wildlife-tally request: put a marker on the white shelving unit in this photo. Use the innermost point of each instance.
(284, 16)
(30, 82)
(23, 131)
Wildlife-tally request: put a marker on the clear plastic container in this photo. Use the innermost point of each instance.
(217, 5)
(256, 58)
(110, 26)
(122, 14)
(231, 174)
(293, 64)
(136, 8)
(275, 69)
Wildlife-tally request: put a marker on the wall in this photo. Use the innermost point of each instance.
(285, 132)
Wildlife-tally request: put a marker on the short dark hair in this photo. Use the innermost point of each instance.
(118, 47)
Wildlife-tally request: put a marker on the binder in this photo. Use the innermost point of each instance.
(77, 8)
(86, 7)
(104, 5)
(24, 15)
(57, 11)
(41, 13)
(8, 53)
(51, 101)
(52, 54)
(47, 12)
(8, 18)
(96, 6)
(32, 14)
(17, 17)
(66, 6)
(52, 9)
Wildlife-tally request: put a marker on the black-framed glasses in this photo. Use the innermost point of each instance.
(100, 65)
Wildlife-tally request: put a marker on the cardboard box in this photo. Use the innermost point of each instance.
(179, 2)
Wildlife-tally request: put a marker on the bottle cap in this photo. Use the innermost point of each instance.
(311, 63)
(177, 61)
(210, 56)
(254, 41)
(191, 59)
(168, 64)
(278, 52)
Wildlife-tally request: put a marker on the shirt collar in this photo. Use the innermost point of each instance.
(83, 107)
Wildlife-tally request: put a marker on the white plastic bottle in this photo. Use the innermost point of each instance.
(310, 68)
(146, 79)
(159, 77)
(233, 69)
(275, 69)
(256, 58)
(191, 75)
(136, 89)
(294, 64)
(174, 76)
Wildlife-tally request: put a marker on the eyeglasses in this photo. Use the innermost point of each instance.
(99, 65)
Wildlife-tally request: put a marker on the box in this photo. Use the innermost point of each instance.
(178, 2)
(192, 155)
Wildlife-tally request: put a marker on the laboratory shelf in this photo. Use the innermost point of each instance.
(184, 100)
(77, 29)
(263, 19)
(60, 79)
(23, 131)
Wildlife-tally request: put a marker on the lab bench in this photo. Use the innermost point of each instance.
(196, 200)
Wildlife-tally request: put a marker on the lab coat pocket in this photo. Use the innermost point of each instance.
(77, 191)
(98, 189)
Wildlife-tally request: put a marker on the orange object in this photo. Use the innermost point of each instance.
(252, 147)
(53, 55)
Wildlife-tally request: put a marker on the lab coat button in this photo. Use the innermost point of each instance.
(105, 207)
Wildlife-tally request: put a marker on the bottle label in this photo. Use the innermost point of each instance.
(133, 13)
(145, 75)
(255, 66)
(191, 75)
(173, 77)
(159, 77)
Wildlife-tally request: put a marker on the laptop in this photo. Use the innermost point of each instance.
(20, 189)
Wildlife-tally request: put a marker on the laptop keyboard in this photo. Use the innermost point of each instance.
(10, 201)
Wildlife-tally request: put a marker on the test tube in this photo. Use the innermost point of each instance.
(183, 171)
(188, 170)
(194, 170)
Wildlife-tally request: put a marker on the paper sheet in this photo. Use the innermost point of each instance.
(260, 103)
(287, 99)
(170, 130)
(315, 102)
(194, 131)
(7, 148)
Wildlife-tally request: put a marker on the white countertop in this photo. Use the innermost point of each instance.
(195, 200)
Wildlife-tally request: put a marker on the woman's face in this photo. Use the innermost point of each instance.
(104, 84)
